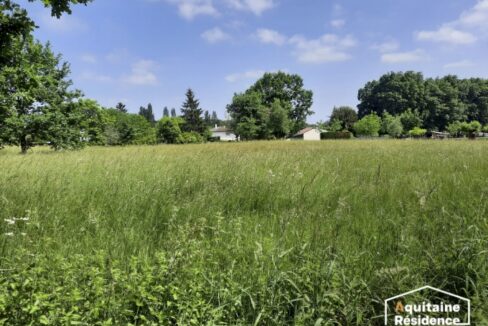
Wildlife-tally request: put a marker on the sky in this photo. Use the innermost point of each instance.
(151, 51)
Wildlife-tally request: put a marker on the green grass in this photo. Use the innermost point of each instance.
(264, 233)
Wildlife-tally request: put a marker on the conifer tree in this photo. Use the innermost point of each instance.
(192, 114)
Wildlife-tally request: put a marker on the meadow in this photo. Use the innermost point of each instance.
(258, 233)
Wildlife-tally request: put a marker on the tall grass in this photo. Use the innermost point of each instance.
(269, 233)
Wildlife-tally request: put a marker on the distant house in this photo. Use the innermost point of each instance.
(223, 134)
(309, 133)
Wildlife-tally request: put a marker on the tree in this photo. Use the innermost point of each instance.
(393, 93)
(128, 129)
(93, 123)
(58, 7)
(247, 129)
(121, 107)
(278, 122)
(147, 113)
(346, 115)
(192, 114)
(290, 91)
(173, 113)
(391, 125)
(471, 129)
(369, 125)
(165, 112)
(169, 130)
(249, 116)
(36, 104)
(335, 126)
(410, 119)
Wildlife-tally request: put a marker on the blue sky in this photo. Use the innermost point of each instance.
(140, 51)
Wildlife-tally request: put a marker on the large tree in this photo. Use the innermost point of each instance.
(346, 115)
(249, 116)
(393, 93)
(289, 89)
(192, 114)
(36, 102)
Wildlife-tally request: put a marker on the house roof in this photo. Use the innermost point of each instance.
(303, 131)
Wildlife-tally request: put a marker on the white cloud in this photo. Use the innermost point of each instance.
(476, 16)
(251, 74)
(448, 35)
(257, 7)
(338, 23)
(189, 9)
(65, 24)
(215, 35)
(388, 46)
(269, 36)
(462, 30)
(459, 64)
(142, 73)
(328, 48)
(89, 58)
(403, 57)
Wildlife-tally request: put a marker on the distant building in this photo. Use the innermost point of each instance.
(223, 134)
(309, 133)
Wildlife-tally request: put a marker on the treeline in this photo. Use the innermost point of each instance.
(403, 103)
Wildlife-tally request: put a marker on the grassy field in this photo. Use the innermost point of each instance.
(271, 233)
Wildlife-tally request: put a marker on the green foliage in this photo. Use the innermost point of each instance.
(58, 7)
(485, 129)
(410, 119)
(128, 129)
(249, 116)
(346, 116)
(368, 126)
(256, 103)
(471, 129)
(278, 122)
(169, 130)
(37, 106)
(417, 132)
(192, 114)
(391, 125)
(336, 135)
(433, 103)
(393, 93)
(468, 129)
(335, 125)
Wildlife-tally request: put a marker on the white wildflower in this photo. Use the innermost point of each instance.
(10, 221)
(9, 234)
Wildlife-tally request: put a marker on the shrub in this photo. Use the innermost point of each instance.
(417, 132)
(370, 125)
(336, 135)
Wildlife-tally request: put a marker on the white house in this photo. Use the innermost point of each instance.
(223, 133)
(307, 134)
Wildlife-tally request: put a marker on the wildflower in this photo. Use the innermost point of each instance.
(9, 234)
(23, 234)
(10, 221)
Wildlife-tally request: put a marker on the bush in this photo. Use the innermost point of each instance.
(191, 137)
(370, 125)
(336, 135)
(417, 132)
